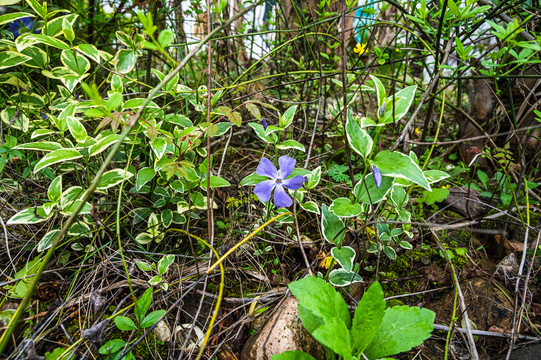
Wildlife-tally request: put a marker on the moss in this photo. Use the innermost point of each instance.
(393, 302)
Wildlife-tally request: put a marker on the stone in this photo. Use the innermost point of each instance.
(282, 332)
(465, 202)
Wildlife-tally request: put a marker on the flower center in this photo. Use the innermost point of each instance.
(278, 181)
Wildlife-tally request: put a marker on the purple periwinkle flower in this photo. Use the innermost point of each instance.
(15, 26)
(265, 125)
(377, 176)
(382, 110)
(278, 182)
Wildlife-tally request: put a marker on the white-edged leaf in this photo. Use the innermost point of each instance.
(47, 240)
(12, 58)
(31, 215)
(102, 144)
(113, 177)
(57, 156)
(39, 146)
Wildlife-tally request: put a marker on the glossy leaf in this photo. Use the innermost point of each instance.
(399, 165)
(332, 226)
(57, 156)
(367, 318)
(113, 177)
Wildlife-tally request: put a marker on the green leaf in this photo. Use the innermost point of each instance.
(287, 118)
(215, 182)
(260, 132)
(44, 39)
(359, 140)
(367, 192)
(401, 101)
(310, 206)
(113, 177)
(434, 196)
(313, 178)
(11, 58)
(321, 299)
(38, 58)
(102, 144)
(143, 176)
(433, 176)
(399, 198)
(89, 50)
(399, 165)
(112, 346)
(293, 355)
(166, 37)
(158, 145)
(47, 240)
(4, 19)
(254, 110)
(380, 91)
(291, 144)
(39, 8)
(20, 289)
(125, 61)
(331, 226)
(77, 129)
(31, 215)
(75, 62)
(252, 179)
(67, 30)
(334, 334)
(142, 304)
(39, 146)
(164, 263)
(401, 329)
(57, 156)
(152, 318)
(344, 256)
(124, 323)
(342, 277)
(55, 189)
(343, 207)
(367, 318)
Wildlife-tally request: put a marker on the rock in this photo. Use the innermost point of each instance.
(282, 332)
(486, 302)
(465, 202)
(532, 352)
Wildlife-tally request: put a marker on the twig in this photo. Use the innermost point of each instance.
(486, 333)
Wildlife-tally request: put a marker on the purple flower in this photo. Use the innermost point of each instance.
(382, 110)
(265, 125)
(377, 176)
(264, 189)
(15, 26)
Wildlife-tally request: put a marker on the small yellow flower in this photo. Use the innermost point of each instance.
(446, 186)
(418, 131)
(325, 260)
(360, 49)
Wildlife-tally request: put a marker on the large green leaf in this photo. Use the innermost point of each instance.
(143, 176)
(57, 156)
(38, 57)
(102, 144)
(321, 299)
(31, 215)
(39, 146)
(343, 207)
(367, 318)
(399, 165)
(113, 177)
(215, 182)
(367, 192)
(124, 323)
(332, 226)
(334, 334)
(358, 139)
(293, 355)
(44, 39)
(12, 58)
(4, 19)
(402, 328)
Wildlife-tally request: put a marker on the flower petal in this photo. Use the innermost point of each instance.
(263, 190)
(294, 183)
(265, 125)
(377, 176)
(267, 168)
(281, 198)
(287, 164)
